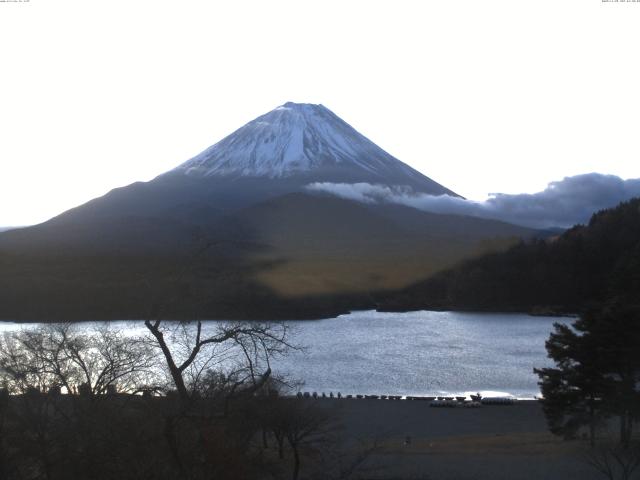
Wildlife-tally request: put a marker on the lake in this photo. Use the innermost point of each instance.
(415, 353)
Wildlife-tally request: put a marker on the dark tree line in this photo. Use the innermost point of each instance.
(583, 267)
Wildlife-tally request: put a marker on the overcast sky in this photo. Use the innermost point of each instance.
(482, 96)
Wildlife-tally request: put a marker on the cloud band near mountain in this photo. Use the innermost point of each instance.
(563, 203)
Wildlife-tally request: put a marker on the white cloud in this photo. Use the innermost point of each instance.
(563, 203)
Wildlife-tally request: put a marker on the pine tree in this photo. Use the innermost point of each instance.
(597, 372)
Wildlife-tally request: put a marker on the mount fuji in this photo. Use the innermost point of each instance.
(305, 143)
(236, 232)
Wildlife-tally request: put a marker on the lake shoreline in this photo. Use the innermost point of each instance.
(538, 311)
(418, 353)
(312, 318)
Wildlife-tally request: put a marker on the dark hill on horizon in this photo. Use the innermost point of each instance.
(584, 266)
(294, 256)
(235, 232)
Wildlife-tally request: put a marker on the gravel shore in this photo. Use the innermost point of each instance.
(491, 442)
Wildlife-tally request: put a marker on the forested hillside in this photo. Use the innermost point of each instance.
(585, 265)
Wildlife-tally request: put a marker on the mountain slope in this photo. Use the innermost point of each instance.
(294, 256)
(276, 249)
(328, 245)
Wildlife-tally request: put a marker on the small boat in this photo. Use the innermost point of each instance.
(498, 401)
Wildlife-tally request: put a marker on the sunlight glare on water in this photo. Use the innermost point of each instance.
(414, 353)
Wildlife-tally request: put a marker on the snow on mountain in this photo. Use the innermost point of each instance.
(299, 139)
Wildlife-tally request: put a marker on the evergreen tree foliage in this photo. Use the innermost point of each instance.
(597, 372)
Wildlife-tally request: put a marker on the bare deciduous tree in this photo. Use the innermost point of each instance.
(306, 427)
(61, 355)
(614, 461)
(240, 353)
(58, 436)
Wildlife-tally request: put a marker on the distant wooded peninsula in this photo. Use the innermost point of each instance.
(584, 266)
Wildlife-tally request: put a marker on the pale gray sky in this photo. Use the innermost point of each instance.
(480, 95)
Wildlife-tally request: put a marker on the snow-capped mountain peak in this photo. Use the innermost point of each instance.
(301, 139)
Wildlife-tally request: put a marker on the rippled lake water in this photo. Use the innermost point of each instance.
(419, 353)
(415, 353)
